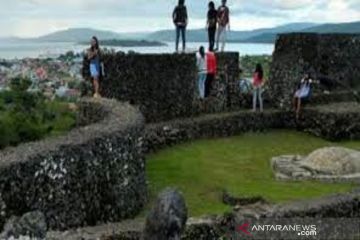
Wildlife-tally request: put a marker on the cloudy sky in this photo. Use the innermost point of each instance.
(29, 18)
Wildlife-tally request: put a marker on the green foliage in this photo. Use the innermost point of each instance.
(68, 56)
(248, 64)
(28, 116)
(19, 84)
(239, 165)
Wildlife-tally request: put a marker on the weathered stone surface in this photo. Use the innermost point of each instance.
(231, 200)
(335, 206)
(128, 229)
(333, 97)
(333, 161)
(334, 55)
(216, 125)
(331, 164)
(340, 206)
(94, 174)
(167, 219)
(164, 86)
(336, 121)
(90, 204)
(31, 224)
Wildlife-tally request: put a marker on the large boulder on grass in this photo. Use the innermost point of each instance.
(167, 219)
(336, 164)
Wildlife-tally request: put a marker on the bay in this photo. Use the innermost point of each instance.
(23, 49)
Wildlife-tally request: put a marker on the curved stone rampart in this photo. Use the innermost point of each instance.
(93, 174)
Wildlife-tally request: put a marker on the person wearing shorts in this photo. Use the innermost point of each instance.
(93, 56)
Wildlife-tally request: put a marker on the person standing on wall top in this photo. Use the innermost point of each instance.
(202, 70)
(211, 24)
(211, 65)
(258, 81)
(180, 19)
(223, 18)
(93, 55)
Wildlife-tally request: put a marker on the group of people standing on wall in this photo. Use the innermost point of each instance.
(207, 65)
(207, 69)
(217, 24)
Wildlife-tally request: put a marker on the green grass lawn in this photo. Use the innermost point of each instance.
(240, 165)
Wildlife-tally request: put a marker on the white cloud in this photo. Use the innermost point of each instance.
(37, 17)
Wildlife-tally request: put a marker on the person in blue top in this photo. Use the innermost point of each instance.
(302, 93)
(93, 55)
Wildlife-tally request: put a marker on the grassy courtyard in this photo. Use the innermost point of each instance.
(241, 165)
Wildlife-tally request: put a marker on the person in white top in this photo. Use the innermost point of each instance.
(302, 93)
(202, 71)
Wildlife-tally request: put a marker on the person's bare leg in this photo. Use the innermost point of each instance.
(295, 103)
(298, 108)
(96, 87)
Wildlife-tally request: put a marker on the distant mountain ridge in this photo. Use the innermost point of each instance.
(79, 35)
(200, 35)
(346, 28)
(264, 35)
(352, 27)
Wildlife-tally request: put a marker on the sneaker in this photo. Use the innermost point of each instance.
(96, 95)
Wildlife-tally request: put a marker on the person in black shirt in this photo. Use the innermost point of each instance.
(180, 19)
(211, 24)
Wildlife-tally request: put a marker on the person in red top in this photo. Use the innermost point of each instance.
(258, 81)
(211, 71)
(223, 19)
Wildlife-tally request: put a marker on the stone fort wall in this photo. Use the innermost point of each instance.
(164, 86)
(336, 56)
(95, 173)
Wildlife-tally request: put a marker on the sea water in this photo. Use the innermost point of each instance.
(23, 49)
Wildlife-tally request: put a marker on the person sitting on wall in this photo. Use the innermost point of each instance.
(202, 71)
(303, 93)
(258, 81)
(180, 19)
(211, 66)
(93, 55)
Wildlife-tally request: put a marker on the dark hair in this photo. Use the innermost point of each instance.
(259, 70)
(181, 2)
(223, 1)
(308, 74)
(202, 51)
(212, 5)
(96, 44)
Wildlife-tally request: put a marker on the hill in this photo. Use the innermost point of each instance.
(128, 43)
(263, 35)
(200, 35)
(353, 27)
(78, 35)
